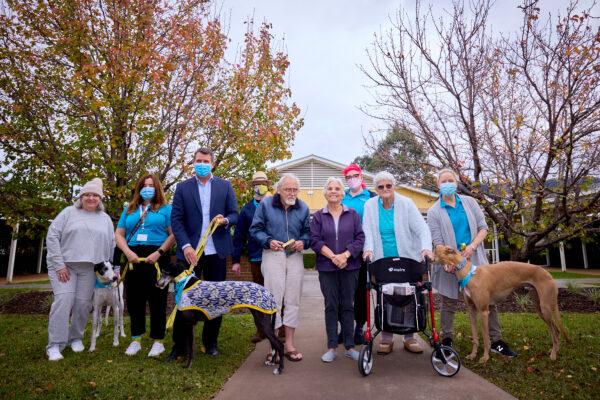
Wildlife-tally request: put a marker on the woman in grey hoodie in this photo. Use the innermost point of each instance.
(80, 236)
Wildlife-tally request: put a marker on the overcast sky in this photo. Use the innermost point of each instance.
(325, 41)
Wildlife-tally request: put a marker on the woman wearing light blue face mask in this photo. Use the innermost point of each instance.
(457, 220)
(144, 231)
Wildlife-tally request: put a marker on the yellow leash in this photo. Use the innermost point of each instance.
(129, 266)
(210, 229)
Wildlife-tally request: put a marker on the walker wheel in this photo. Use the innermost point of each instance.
(365, 359)
(445, 361)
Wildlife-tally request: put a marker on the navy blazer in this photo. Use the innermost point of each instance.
(186, 216)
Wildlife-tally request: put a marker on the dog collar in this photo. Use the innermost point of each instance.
(465, 281)
(180, 285)
(103, 285)
(461, 264)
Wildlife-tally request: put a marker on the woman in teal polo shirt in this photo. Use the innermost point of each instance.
(457, 221)
(144, 231)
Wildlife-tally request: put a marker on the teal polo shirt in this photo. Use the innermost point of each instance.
(460, 222)
(357, 203)
(154, 227)
(386, 229)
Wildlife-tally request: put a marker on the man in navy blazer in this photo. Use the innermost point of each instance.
(197, 201)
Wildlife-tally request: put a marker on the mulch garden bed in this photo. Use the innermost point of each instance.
(38, 302)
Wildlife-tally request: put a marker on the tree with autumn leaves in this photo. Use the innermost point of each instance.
(114, 89)
(517, 115)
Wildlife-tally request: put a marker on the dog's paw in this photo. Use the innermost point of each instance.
(484, 359)
(276, 371)
(471, 356)
(116, 343)
(92, 349)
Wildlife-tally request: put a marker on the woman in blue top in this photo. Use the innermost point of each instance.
(144, 231)
(394, 227)
(456, 220)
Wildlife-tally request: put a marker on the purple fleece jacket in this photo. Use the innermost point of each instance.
(349, 237)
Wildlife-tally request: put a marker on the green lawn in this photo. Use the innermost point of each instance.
(108, 373)
(532, 375)
(571, 275)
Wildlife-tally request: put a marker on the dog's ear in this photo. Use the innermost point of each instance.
(449, 250)
(98, 267)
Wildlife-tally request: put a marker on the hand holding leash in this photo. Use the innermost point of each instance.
(368, 255)
(190, 256)
(220, 220)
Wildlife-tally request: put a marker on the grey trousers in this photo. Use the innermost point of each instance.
(71, 299)
(447, 319)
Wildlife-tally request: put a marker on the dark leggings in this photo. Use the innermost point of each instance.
(140, 288)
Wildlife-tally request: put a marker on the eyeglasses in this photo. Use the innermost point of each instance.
(348, 177)
(290, 190)
(386, 186)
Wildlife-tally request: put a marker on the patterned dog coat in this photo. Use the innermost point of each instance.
(218, 298)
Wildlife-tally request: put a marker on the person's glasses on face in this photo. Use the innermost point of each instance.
(348, 177)
(386, 186)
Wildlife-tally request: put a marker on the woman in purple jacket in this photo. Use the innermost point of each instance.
(337, 237)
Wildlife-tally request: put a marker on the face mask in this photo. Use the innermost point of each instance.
(147, 193)
(448, 188)
(260, 190)
(202, 169)
(354, 183)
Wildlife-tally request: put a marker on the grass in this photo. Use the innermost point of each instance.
(108, 373)
(532, 375)
(571, 275)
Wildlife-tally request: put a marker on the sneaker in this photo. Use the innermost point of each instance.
(133, 348)
(413, 346)
(53, 353)
(77, 346)
(157, 349)
(447, 342)
(329, 356)
(500, 347)
(353, 354)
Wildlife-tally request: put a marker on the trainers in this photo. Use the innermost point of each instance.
(413, 346)
(53, 353)
(353, 354)
(133, 348)
(500, 347)
(329, 356)
(447, 342)
(77, 346)
(156, 350)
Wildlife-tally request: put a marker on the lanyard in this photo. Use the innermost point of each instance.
(143, 214)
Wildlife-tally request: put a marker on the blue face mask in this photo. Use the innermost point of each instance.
(448, 188)
(202, 169)
(147, 193)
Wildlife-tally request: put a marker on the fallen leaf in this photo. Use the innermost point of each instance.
(108, 361)
(594, 369)
(93, 385)
(569, 376)
(530, 369)
(525, 347)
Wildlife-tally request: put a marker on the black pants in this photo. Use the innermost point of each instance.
(257, 276)
(140, 288)
(338, 288)
(211, 268)
(360, 299)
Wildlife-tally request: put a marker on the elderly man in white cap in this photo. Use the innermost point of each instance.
(80, 236)
(242, 238)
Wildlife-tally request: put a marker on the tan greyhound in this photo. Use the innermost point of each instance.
(492, 283)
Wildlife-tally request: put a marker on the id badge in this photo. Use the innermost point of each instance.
(142, 237)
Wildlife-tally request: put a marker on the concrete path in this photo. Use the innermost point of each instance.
(398, 375)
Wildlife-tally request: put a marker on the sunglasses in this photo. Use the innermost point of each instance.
(386, 186)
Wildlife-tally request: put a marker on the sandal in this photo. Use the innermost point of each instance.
(293, 355)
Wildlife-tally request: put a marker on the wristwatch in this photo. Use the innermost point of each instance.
(161, 251)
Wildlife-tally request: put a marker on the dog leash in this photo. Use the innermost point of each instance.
(181, 279)
(129, 266)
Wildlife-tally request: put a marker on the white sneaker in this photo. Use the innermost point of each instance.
(77, 346)
(53, 353)
(133, 348)
(157, 349)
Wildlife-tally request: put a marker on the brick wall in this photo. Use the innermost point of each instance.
(245, 275)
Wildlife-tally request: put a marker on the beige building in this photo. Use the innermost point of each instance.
(313, 172)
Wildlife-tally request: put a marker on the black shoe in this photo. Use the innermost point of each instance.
(359, 338)
(447, 342)
(212, 351)
(500, 347)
